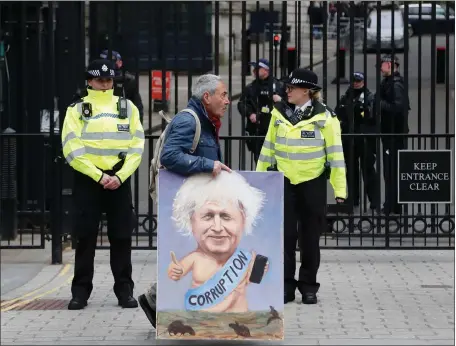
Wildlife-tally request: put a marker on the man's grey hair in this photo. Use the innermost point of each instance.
(225, 188)
(205, 83)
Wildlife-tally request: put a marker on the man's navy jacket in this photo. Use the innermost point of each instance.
(176, 156)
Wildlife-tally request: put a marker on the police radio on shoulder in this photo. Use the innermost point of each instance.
(122, 107)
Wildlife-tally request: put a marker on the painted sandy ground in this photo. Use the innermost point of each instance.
(204, 325)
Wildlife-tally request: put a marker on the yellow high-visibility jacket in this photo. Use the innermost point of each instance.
(92, 144)
(301, 151)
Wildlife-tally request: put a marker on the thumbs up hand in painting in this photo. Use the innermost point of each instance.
(175, 269)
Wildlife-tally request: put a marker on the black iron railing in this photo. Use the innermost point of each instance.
(45, 46)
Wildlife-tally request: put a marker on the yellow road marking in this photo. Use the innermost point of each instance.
(38, 296)
(62, 272)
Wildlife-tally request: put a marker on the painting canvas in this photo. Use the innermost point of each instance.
(220, 256)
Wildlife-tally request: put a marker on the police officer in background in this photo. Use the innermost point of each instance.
(363, 148)
(255, 103)
(124, 83)
(305, 144)
(394, 107)
(103, 141)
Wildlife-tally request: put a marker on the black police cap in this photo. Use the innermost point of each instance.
(303, 78)
(100, 68)
(358, 76)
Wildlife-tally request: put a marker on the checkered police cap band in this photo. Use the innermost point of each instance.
(301, 81)
(94, 73)
(98, 73)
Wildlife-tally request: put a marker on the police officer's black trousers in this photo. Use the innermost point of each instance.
(91, 199)
(390, 147)
(358, 152)
(304, 203)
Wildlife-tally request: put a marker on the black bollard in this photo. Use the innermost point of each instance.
(440, 73)
(8, 186)
(292, 58)
(340, 79)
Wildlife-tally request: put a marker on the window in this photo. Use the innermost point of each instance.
(440, 12)
(385, 19)
(426, 10)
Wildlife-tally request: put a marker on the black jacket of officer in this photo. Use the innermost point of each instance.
(363, 101)
(128, 81)
(394, 101)
(359, 151)
(257, 96)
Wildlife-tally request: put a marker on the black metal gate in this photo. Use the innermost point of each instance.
(45, 47)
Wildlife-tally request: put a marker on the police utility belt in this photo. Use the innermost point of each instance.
(123, 114)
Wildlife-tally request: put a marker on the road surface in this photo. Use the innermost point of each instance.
(366, 298)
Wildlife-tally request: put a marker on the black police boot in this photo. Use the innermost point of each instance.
(148, 310)
(77, 304)
(128, 302)
(309, 298)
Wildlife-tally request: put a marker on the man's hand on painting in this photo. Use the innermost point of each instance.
(175, 270)
(218, 167)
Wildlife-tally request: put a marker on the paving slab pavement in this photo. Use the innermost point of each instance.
(367, 297)
(29, 263)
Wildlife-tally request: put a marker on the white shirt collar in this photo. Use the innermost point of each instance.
(304, 106)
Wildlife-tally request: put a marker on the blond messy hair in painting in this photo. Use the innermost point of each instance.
(226, 187)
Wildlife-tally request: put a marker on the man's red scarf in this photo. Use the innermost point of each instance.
(217, 124)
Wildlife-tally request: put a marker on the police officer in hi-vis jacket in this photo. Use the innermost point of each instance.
(305, 144)
(103, 141)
